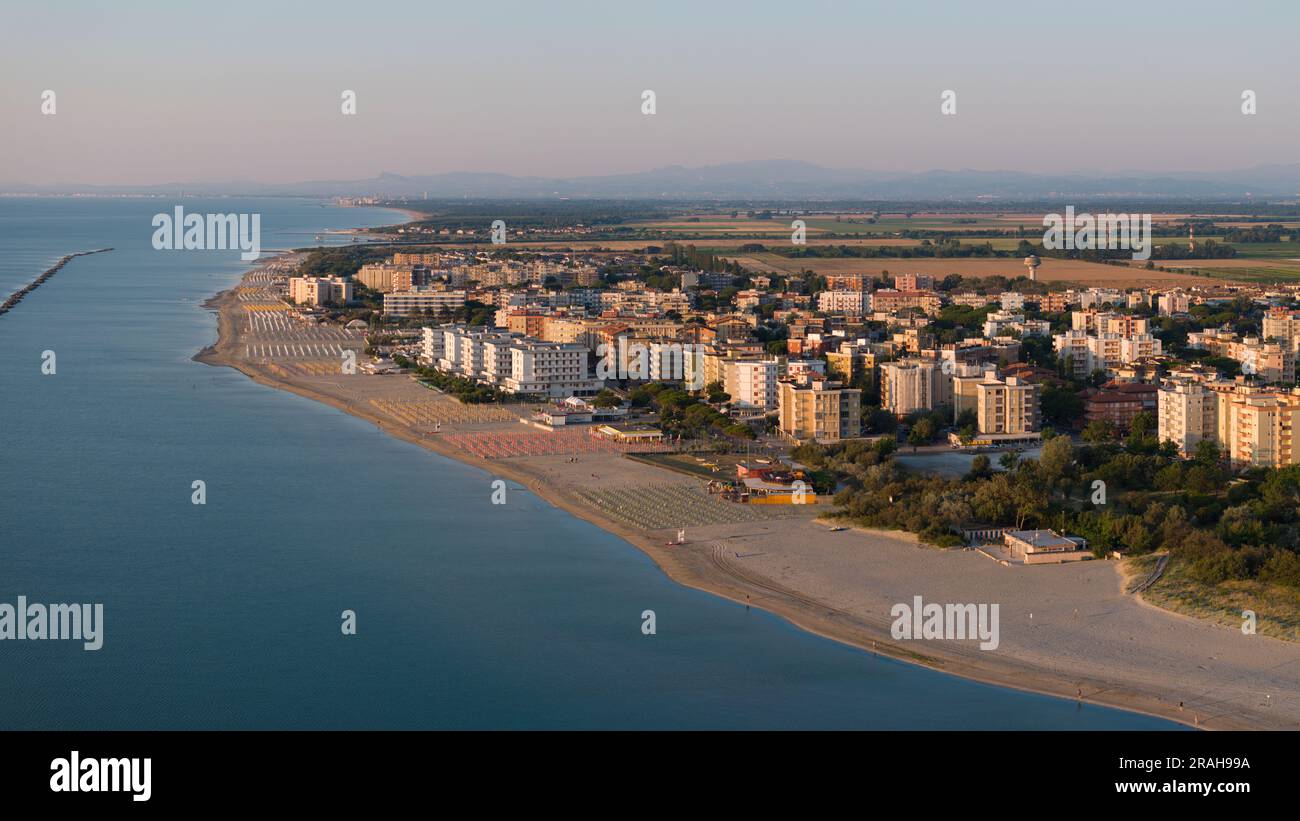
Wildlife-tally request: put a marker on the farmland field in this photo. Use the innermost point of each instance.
(1052, 270)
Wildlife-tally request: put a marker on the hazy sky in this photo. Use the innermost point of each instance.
(152, 92)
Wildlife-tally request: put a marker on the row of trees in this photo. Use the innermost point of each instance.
(684, 414)
(1129, 495)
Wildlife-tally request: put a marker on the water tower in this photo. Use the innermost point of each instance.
(1032, 262)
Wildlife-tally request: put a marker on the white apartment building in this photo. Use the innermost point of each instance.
(463, 350)
(553, 369)
(419, 300)
(908, 385)
(1073, 346)
(751, 383)
(1103, 351)
(672, 361)
(855, 303)
(999, 323)
(1012, 301)
(966, 379)
(1097, 297)
(498, 359)
(1187, 413)
(1282, 326)
(1138, 346)
(1174, 302)
(431, 349)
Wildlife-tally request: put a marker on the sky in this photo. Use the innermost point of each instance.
(157, 92)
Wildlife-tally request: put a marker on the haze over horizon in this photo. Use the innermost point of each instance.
(153, 94)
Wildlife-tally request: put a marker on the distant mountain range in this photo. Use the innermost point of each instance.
(768, 179)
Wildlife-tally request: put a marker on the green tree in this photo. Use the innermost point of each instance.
(606, 399)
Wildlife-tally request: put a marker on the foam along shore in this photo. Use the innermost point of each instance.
(17, 296)
(1065, 630)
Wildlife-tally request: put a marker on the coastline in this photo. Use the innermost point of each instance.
(805, 599)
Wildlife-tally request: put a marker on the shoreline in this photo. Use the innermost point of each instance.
(711, 571)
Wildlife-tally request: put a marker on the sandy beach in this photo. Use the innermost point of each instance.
(1067, 630)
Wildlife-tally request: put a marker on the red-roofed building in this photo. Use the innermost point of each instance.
(1118, 402)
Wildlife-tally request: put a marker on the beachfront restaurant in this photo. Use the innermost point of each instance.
(1045, 547)
(630, 434)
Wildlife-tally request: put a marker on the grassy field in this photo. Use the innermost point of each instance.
(1253, 273)
(1241, 269)
(1052, 270)
(1277, 608)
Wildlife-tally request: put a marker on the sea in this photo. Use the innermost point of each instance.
(228, 615)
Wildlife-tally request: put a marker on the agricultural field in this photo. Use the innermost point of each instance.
(1052, 270)
(1236, 270)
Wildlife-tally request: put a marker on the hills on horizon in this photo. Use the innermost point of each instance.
(762, 179)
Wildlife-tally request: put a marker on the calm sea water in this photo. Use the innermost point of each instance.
(227, 615)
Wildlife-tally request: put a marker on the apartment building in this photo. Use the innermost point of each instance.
(525, 321)
(462, 350)
(386, 277)
(851, 360)
(1261, 428)
(855, 303)
(1103, 351)
(1001, 323)
(553, 369)
(1098, 297)
(892, 301)
(970, 299)
(1282, 326)
(675, 361)
(320, 290)
(1099, 322)
(1011, 301)
(1007, 408)
(1270, 362)
(432, 260)
(1000, 351)
(914, 282)
(849, 282)
(966, 380)
(819, 410)
(431, 346)
(420, 300)
(497, 358)
(752, 384)
(1187, 412)
(1118, 402)
(1054, 302)
(909, 385)
(1174, 302)
(714, 280)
